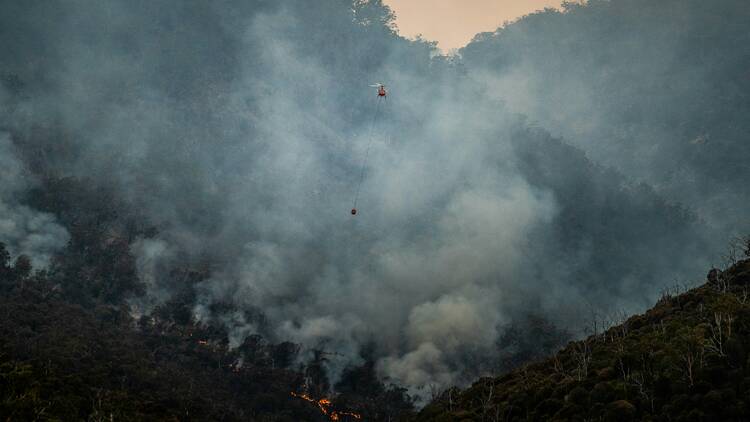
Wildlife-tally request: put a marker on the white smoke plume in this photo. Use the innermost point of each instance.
(22, 229)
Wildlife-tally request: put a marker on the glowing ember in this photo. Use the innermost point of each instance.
(203, 342)
(325, 407)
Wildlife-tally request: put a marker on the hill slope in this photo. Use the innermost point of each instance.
(91, 360)
(685, 359)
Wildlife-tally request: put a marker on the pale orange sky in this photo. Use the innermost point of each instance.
(453, 23)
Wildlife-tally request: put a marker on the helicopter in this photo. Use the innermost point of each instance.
(381, 90)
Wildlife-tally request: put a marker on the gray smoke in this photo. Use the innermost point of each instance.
(657, 90)
(22, 229)
(239, 130)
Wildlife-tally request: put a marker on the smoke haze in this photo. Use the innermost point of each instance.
(22, 229)
(238, 129)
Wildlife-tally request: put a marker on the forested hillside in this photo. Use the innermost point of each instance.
(80, 355)
(176, 180)
(686, 359)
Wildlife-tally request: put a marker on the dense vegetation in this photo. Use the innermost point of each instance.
(686, 359)
(72, 349)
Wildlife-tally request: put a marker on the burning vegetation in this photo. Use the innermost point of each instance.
(325, 406)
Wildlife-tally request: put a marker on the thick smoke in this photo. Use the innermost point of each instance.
(238, 129)
(658, 90)
(22, 229)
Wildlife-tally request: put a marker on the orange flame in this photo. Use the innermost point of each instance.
(324, 406)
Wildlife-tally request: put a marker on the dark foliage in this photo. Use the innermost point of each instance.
(686, 359)
(63, 361)
(71, 350)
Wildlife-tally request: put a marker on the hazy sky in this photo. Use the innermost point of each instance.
(453, 23)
